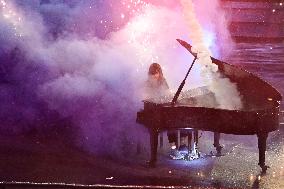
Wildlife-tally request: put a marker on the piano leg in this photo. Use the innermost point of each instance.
(161, 140)
(154, 144)
(217, 144)
(189, 139)
(195, 138)
(262, 137)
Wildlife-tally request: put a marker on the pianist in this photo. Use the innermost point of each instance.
(157, 87)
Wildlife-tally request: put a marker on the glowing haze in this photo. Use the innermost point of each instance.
(86, 62)
(226, 93)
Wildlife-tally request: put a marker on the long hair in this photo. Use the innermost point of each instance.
(155, 68)
(156, 87)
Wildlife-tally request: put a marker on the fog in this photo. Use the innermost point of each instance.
(87, 61)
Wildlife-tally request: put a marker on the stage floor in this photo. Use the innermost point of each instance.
(51, 158)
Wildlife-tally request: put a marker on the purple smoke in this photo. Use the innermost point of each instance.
(85, 62)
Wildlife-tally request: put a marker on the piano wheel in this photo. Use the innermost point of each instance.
(216, 143)
(263, 168)
(218, 149)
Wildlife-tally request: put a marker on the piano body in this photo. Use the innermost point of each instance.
(259, 114)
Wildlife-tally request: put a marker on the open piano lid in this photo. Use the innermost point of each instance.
(255, 91)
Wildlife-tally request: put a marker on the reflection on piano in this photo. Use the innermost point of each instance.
(259, 114)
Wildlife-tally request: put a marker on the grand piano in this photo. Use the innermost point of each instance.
(258, 116)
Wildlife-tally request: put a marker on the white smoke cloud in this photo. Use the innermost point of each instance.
(94, 82)
(226, 93)
(101, 87)
(213, 17)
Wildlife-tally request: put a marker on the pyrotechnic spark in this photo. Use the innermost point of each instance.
(134, 5)
(9, 14)
(141, 30)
